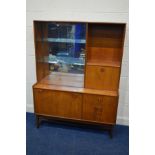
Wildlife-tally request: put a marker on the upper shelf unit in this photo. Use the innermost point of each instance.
(68, 46)
(105, 44)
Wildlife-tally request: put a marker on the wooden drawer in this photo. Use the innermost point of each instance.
(100, 108)
(103, 78)
(57, 103)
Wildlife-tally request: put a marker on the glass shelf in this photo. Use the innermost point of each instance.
(63, 40)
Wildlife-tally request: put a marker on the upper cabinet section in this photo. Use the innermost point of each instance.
(61, 45)
(64, 48)
(105, 43)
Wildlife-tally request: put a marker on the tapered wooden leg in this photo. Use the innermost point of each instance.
(37, 121)
(110, 133)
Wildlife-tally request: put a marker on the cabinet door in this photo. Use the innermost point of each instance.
(57, 103)
(100, 108)
(103, 78)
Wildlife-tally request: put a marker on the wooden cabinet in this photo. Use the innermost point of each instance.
(102, 77)
(99, 108)
(78, 67)
(57, 103)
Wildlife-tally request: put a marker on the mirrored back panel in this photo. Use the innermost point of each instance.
(61, 46)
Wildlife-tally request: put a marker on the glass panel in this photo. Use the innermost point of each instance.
(66, 47)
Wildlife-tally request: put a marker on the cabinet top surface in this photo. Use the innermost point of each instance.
(70, 83)
(79, 21)
(75, 89)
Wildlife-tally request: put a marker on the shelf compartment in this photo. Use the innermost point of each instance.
(104, 42)
(64, 79)
(101, 55)
(105, 35)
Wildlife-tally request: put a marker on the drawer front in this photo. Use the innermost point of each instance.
(100, 108)
(98, 77)
(57, 103)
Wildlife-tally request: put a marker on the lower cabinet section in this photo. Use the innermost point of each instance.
(57, 103)
(100, 108)
(86, 107)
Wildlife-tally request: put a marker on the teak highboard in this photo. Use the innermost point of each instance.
(78, 67)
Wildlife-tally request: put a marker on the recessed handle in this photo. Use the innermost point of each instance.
(100, 99)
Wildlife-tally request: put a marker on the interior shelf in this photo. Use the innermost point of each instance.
(64, 40)
(105, 63)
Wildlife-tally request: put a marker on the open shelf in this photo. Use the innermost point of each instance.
(64, 79)
(106, 35)
(71, 83)
(104, 54)
(104, 44)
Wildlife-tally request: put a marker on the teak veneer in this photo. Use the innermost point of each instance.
(89, 98)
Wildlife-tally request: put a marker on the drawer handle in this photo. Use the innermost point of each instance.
(40, 90)
(100, 99)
